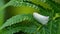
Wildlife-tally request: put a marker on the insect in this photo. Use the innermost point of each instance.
(40, 18)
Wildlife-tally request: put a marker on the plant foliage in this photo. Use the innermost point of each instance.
(20, 18)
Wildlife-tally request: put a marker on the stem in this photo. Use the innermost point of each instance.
(43, 30)
(50, 27)
(39, 28)
(58, 31)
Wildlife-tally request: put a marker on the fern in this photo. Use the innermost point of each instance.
(24, 21)
(16, 19)
(19, 27)
(17, 23)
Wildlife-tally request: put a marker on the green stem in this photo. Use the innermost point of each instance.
(39, 28)
(43, 30)
(58, 32)
(50, 27)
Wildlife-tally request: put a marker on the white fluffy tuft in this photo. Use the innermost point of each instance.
(40, 18)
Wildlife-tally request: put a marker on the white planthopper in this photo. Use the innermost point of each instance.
(40, 18)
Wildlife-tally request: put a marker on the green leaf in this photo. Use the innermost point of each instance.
(29, 28)
(22, 22)
(16, 19)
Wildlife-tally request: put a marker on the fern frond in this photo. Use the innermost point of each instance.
(18, 23)
(29, 28)
(26, 22)
(16, 19)
(54, 6)
(21, 4)
(40, 3)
